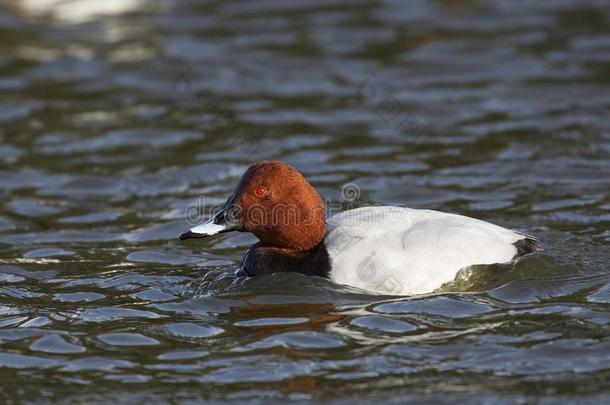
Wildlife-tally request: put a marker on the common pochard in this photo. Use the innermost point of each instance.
(382, 249)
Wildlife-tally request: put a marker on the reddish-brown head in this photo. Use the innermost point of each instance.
(275, 203)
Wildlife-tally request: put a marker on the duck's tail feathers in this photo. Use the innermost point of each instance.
(527, 245)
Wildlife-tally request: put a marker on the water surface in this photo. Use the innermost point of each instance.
(121, 124)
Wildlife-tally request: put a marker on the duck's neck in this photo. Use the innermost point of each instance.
(294, 239)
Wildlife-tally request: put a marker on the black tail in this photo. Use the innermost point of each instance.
(525, 246)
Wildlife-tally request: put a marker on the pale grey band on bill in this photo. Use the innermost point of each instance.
(208, 228)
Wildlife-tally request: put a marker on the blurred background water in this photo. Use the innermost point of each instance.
(117, 116)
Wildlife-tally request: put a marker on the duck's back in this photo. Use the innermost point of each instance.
(395, 250)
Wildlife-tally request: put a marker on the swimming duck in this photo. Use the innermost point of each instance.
(382, 249)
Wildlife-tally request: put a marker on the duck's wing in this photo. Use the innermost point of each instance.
(395, 250)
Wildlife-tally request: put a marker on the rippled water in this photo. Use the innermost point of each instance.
(117, 118)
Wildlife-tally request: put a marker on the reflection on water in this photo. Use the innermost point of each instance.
(77, 11)
(116, 117)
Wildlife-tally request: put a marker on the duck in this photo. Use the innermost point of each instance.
(389, 250)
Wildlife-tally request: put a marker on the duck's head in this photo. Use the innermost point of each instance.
(275, 203)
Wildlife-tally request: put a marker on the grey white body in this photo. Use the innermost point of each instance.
(401, 251)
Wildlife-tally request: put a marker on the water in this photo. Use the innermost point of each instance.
(122, 121)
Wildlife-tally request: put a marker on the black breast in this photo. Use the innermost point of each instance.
(265, 260)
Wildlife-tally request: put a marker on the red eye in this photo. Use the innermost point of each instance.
(260, 191)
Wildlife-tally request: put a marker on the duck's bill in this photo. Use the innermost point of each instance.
(201, 231)
(217, 224)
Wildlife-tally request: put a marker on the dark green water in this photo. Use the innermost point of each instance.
(119, 128)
